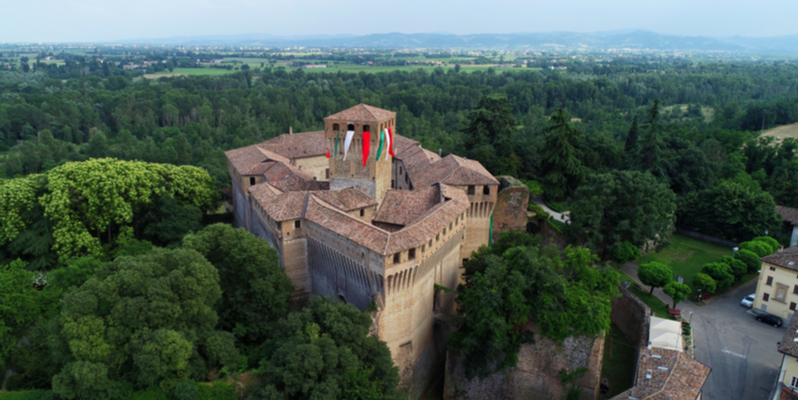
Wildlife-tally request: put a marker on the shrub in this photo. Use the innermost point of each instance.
(770, 241)
(541, 214)
(28, 395)
(654, 274)
(704, 282)
(534, 187)
(760, 248)
(721, 273)
(624, 252)
(748, 258)
(185, 390)
(216, 391)
(738, 268)
(677, 291)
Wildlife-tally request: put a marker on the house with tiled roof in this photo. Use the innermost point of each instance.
(786, 384)
(776, 293)
(789, 217)
(353, 222)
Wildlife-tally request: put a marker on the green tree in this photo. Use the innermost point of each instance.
(561, 168)
(620, 206)
(654, 274)
(488, 131)
(762, 249)
(677, 291)
(738, 267)
(323, 352)
(141, 321)
(633, 137)
(749, 258)
(650, 147)
(720, 272)
(704, 282)
(771, 242)
(255, 290)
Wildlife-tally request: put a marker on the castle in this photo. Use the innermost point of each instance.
(351, 221)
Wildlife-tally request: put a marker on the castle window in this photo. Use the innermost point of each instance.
(336, 127)
(252, 180)
(366, 128)
(437, 237)
(351, 127)
(401, 169)
(423, 248)
(278, 224)
(327, 173)
(430, 243)
(392, 183)
(444, 232)
(297, 224)
(486, 189)
(471, 189)
(412, 254)
(362, 212)
(396, 259)
(766, 297)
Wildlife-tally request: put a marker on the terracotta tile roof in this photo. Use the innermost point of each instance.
(417, 161)
(401, 207)
(786, 258)
(789, 342)
(244, 158)
(362, 113)
(788, 214)
(456, 171)
(298, 145)
(431, 223)
(284, 206)
(787, 394)
(327, 216)
(680, 377)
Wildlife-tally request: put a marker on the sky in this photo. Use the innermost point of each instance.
(107, 21)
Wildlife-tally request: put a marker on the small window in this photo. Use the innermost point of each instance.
(444, 232)
(772, 268)
(451, 226)
(795, 289)
(423, 248)
(362, 212)
(392, 183)
(412, 254)
(486, 189)
(336, 127)
(327, 173)
(437, 237)
(297, 224)
(769, 281)
(252, 180)
(766, 297)
(471, 189)
(401, 169)
(430, 243)
(278, 224)
(351, 127)
(396, 259)
(366, 128)
(793, 306)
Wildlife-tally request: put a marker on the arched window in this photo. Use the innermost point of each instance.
(336, 127)
(366, 128)
(351, 127)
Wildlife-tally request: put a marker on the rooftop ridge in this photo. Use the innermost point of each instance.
(362, 113)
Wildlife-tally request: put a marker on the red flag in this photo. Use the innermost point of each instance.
(328, 153)
(391, 142)
(365, 147)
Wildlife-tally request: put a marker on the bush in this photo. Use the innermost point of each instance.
(738, 268)
(748, 258)
(185, 390)
(624, 252)
(151, 393)
(216, 391)
(534, 187)
(704, 282)
(28, 395)
(541, 214)
(721, 273)
(770, 241)
(760, 248)
(557, 225)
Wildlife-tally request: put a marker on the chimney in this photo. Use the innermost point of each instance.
(290, 130)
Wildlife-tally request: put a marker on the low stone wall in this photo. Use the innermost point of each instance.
(511, 210)
(537, 373)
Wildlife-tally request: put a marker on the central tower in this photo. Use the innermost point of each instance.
(373, 178)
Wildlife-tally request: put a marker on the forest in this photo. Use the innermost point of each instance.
(110, 187)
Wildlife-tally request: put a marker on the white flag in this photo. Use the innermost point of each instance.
(388, 141)
(347, 139)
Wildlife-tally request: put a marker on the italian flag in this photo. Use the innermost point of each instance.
(388, 142)
(380, 147)
(327, 152)
(336, 144)
(364, 148)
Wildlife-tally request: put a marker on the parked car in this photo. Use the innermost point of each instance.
(770, 319)
(748, 301)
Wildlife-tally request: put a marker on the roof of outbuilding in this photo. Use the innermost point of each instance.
(401, 207)
(457, 171)
(786, 258)
(326, 215)
(681, 377)
(297, 145)
(288, 205)
(789, 343)
(788, 214)
(362, 113)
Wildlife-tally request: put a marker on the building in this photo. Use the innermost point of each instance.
(777, 284)
(789, 217)
(664, 371)
(368, 228)
(786, 384)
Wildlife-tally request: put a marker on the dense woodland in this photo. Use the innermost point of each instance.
(110, 186)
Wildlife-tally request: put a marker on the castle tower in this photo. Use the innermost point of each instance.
(375, 177)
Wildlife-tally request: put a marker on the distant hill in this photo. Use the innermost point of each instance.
(623, 39)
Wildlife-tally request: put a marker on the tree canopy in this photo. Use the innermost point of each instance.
(654, 274)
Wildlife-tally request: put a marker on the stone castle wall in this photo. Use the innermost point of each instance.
(511, 211)
(315, 166)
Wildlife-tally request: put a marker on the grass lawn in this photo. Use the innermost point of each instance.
(655, 304)
(687, 256)
(619, 361)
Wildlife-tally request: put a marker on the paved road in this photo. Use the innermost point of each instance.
(742, 352)
(563, 217)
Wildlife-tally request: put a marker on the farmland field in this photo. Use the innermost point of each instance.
(782, 131)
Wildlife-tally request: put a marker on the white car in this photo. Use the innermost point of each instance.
(748, 301)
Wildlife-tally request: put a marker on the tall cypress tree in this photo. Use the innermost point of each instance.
(633, 136)
(561, 167)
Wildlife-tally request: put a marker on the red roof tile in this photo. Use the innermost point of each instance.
(298, 145)
(329, 217)
(362, 113)
(786, 258)
(401, 207)
(679, 377)
(788, 214)
(457, 171)
(788, 344)
(284, 206)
